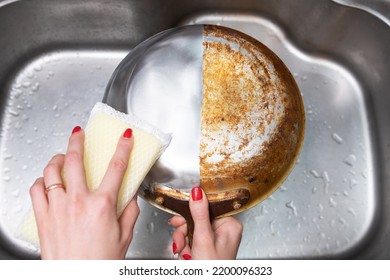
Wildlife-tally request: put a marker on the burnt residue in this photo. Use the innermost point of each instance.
(224, 105)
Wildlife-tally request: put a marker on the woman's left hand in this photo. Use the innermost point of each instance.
(75, 223)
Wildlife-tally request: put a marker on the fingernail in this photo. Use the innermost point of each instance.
(187, 257)
(196, 193)
(128, 133)
(174, 248)
(76, 129)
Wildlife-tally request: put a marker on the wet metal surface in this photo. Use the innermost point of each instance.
(335, 202)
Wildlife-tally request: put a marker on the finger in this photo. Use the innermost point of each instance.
(186, 254)
(39, 200)
(52, 176)
(203, 236)
(128, 219)
(74, 171)
(117, 167)
(228, 226)
(179, 239)
(176, 221)
(228, 231)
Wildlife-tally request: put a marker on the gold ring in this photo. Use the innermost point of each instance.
(54, 186)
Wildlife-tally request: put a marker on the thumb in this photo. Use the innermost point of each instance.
(199, 207)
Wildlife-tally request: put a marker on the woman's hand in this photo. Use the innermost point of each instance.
(217, 240)
(75, 223)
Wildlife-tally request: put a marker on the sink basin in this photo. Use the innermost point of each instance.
(58, 56)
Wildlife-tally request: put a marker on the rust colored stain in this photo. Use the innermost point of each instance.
(252, 115)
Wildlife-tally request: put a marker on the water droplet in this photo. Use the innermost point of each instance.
(271, 226)
(7, 156)
(16, 93)
(150, 227)
(18, 125)
(304, 78)
(353, 183)
(15, 193)
(332, 202)
(263, 210)
(325, 178)
(351, 211)
(29, 141)
(342, 221)
(26, 84)
(315, 173)
(17, 85)
(7, 178)
(49, 75)
(38, 68)
(13, 112)
(291, 206)
(350, 160)
(35, 87)
(55, 107)
(337, 138)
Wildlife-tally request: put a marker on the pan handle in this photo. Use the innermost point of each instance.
(219, 204)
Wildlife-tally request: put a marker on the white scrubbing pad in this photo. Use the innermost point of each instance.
(104, 127)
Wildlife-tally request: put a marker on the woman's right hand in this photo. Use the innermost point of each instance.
(219, 239)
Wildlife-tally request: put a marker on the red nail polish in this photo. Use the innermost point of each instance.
(174, 248)
(76, 129)
(196, 193)
(128, 133)
(187, 257)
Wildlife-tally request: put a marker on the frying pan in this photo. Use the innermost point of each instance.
(234, 110)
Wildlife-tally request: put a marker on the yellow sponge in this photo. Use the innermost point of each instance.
(102, 132)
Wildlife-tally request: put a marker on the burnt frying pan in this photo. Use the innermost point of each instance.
(234, 110)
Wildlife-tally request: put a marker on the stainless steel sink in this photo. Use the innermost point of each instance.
(56, 60)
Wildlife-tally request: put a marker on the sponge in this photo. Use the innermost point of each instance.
(104, 127)
(102, 132)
